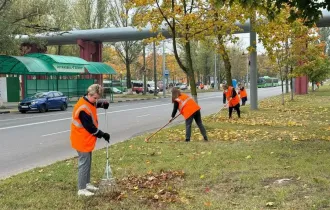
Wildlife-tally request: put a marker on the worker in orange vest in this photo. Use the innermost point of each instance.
(242, 94)
(189, 110)
(231, 96)
(84, 132)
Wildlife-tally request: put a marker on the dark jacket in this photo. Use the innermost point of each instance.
(175, 108)
(87, 121)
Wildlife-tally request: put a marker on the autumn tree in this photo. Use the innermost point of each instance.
(22, 17)
(120, 15)
(325, 37)
(277, 37)
(309, 56)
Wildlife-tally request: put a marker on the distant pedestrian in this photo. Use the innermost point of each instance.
(84, 132)
(189, 110)
(231, 96)
(242, 94)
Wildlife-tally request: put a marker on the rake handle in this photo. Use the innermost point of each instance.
(147, 139)
(106, 127)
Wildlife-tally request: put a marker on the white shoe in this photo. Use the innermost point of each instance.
(85, 192)
(91, 187)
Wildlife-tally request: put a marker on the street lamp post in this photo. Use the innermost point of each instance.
(164, 86)
(247, 71)
(215, 72)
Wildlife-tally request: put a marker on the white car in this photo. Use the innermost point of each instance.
(183, 87)
(151, 88)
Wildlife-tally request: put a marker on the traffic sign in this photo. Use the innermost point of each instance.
(166, 72)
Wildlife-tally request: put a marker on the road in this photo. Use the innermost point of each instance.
(38, 139)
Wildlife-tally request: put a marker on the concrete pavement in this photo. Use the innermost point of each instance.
(37, 139)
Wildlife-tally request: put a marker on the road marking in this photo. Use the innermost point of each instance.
(22, 118)
(69, 118)
(55, 133)
(143, 115)
(46, 115)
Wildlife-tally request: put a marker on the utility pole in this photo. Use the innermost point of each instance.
(215, 72)
(144, 71)
(155, 69)
(253, 67)
(164, 85)
(247, 71)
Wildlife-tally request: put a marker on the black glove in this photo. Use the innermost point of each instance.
(105, 105)
(106, 137)
(102, 103)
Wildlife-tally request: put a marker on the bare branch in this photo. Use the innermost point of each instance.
(162, 13)
(3, 5)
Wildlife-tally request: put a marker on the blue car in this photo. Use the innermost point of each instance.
(43, 101)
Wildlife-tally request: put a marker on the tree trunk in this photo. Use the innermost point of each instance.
(226, 60)
(313, 86)
(291, 84)
(190, 72)
(59, 50)
(286, 84)
(282, 92)
(128, 69)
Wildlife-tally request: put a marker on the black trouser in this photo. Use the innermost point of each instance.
(244, 99)
(237, 110)
(198, 120)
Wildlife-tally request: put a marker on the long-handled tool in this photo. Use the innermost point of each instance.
(225, 106)
(147, 139)
(108, 183)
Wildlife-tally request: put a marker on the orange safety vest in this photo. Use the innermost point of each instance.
(187, 105)
(243, 93)
(234, 101)
(81, 139)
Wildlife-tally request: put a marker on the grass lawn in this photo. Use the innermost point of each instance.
(275, 158)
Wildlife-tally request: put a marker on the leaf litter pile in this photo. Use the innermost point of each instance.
(152, 188)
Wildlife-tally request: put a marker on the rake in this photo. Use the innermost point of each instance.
(148, 138)
(225, 106)
(108, 182)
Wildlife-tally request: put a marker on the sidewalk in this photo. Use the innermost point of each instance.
(11, 107)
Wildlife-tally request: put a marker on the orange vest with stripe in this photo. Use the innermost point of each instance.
(187, 105)
(234, 101)
(81, 139)
(243, 93)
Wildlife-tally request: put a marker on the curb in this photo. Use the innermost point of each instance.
(9, 111)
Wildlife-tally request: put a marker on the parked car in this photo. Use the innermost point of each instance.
(44, 101)
(137, 87)
(151, 87)
(115, 90)
(183, 87)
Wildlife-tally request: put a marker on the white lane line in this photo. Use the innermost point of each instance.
(69, 118)
(55, 133)
(46, 115)
(22, 118)
(144, 115)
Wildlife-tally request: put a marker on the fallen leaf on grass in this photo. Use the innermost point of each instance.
(202, 176)
(270, 204)
(248, 157)
(207, 203)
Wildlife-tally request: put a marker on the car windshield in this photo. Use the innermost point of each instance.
(39, 95)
